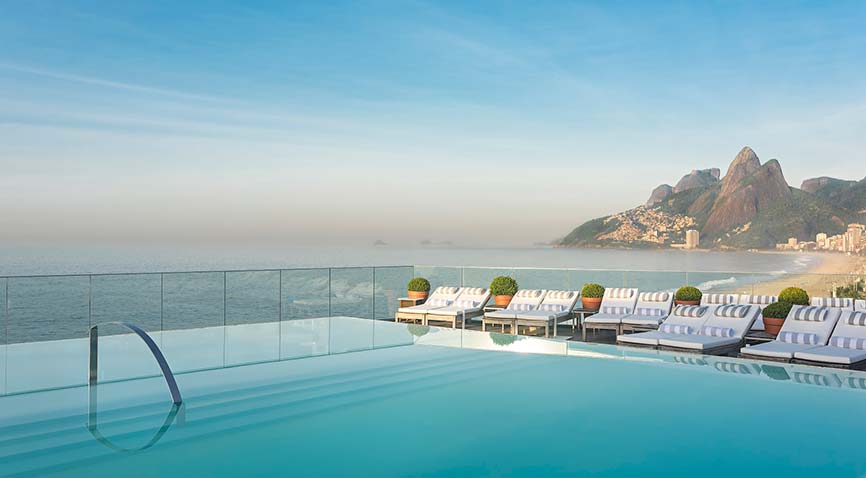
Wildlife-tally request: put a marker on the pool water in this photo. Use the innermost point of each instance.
(468, 408)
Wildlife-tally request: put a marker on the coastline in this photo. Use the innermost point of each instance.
(831, 270)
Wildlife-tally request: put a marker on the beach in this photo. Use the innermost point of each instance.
(831, 270)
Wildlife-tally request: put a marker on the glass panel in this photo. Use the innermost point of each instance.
(655, 281)
(193, 318)
(723, 282)
(352, 292)
(131, 298)
(349, 334)
(47, 309)
(390, 334)
(441, 276)
(304, 338)
(305, 293)
(577, 278)
(550, 279)
(390, 286)
(482, 276)
(3, 336)
(252, 317)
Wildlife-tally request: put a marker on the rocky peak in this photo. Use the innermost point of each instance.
(659, 194)
(814, 184)
(742, 166)
(696, 179)
(747, 188)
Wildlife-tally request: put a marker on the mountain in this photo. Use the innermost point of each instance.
(696, 179)
(848, 194)
(752, 206)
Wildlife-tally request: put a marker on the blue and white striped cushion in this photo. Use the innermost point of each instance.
(760, 299)
(466, 304)
(649, 311)
(811, 314)
(838, 302)
(531, 293)
(552, 307)
(654, 297)
(856, 343)
(473, 291)
(718, 299)
(798, 338)
(690, 310)
(614, 310)
(560, 294)
(520, 306)
(857, 382)
(717, 331)
(620, 293)
(443, 290)
(438, 302)
(733, 311)
(675, 329)
(857, 318)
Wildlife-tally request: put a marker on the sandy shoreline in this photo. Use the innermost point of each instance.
(832, 270)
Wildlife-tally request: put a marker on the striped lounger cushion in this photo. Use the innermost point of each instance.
(798, 338)
(811, 378)
(650, 312)
(844, 303)
(718, 299)
(857, 318)
(717, 331)
(519, 306)
(812, 314)
(654, 297)
(761, 299)
(614, 310)
(734, 311)
(551, 307)
(675, 329)
(690, 310)
(856, 343)
(621, 293)
(466, 304)
(438, 302)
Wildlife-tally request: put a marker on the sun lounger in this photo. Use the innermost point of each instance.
(554, 309)
(722, 332)
(847, 345)
(860, 305)
(843, 303)
(616, 304)
(761, 301)
(524, 300)
(441, 297)
(470, 303)
(719, 299)
(684, 320)
(651, 310)
(806, 327)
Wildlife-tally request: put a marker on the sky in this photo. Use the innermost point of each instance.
(481, 123)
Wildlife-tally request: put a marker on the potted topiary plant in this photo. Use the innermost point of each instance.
(591, 295)
(794, 295)
(418, 288)
(774, 316)
(688, 295)
(503, 289)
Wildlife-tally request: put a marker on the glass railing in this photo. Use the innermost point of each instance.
(215, 316)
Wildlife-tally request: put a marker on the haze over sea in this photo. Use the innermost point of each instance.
(93, 258)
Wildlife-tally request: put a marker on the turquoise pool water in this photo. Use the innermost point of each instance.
(435, 403)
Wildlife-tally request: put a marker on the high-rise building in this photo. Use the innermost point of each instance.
(693, 239)
(792, 242)
(821, 240)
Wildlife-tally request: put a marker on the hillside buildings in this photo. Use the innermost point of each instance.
(853, 240)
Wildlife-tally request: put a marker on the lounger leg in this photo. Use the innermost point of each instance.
(555, 326)
(484, 326)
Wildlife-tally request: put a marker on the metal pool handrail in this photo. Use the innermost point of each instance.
(154, 349)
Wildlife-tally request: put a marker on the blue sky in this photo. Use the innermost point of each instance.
(480, 123)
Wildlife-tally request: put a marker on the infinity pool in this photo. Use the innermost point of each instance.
(434, 402)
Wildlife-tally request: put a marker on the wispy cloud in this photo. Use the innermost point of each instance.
(118, 85)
